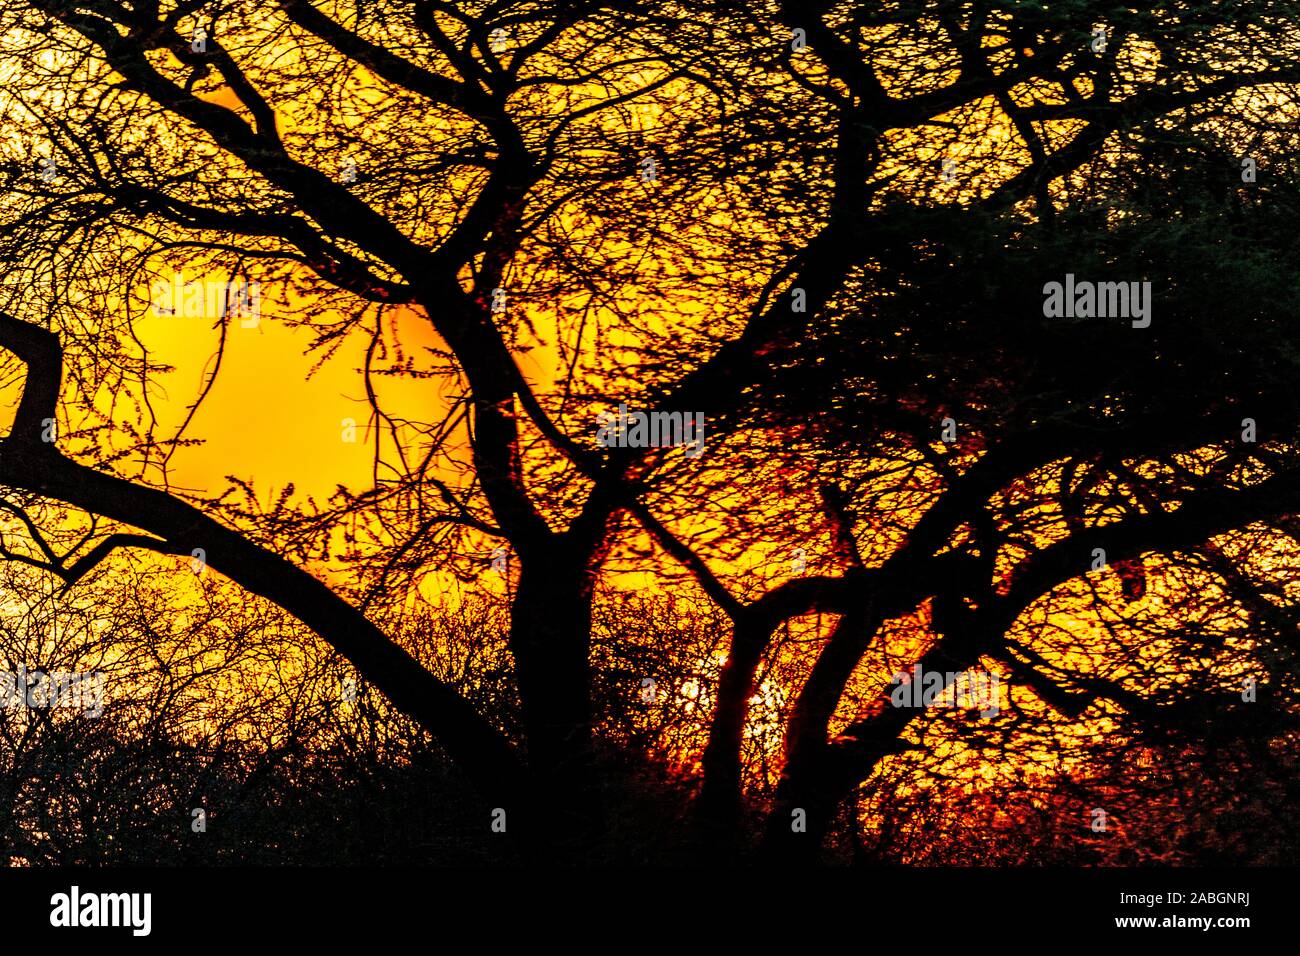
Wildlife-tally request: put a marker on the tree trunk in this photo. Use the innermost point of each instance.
(805, 807)
(550, 636)
(720, 802)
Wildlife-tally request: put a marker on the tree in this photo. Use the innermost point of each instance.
(700, 209)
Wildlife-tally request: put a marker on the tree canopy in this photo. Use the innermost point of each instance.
(825, 231)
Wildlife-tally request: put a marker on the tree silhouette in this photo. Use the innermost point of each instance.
(825, 228)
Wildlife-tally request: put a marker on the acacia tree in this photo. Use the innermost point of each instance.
(1085, 423)
(135, 105)
(685, 206)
